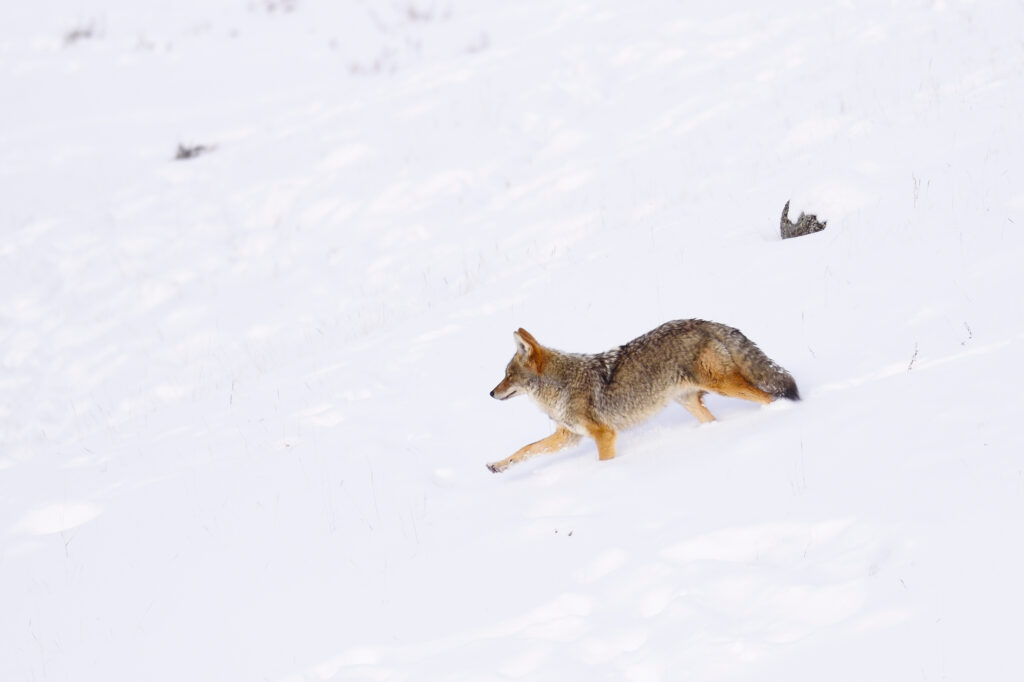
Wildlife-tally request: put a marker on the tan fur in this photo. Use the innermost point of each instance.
(599, 395)
(561, 438)
(735, 385)
(604, 436)
(539, 353)
(694, 403)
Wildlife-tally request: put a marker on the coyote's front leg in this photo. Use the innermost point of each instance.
(562, 438)
(604, 436)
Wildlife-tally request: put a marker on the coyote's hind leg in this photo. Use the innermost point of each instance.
(693, 401)
(735, 385)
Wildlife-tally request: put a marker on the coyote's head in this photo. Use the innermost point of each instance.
(524, 369)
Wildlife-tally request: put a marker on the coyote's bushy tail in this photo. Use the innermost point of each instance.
(759, 369)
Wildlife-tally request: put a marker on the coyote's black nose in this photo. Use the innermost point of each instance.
(492, 394)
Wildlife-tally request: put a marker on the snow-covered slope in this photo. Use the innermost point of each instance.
(245, 414)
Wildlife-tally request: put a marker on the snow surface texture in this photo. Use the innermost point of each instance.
(245, 415)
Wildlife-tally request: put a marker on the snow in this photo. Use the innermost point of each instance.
(245, 414)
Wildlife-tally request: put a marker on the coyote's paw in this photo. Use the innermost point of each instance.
(497, 467)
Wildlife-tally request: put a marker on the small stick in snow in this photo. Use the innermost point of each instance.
(191, 152)
(912, 359)
(970, 334)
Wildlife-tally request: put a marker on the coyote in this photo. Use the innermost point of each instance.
(598, 395)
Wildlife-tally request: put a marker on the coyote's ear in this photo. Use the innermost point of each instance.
(523, 346)
(527, 346)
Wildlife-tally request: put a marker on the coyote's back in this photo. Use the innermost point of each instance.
(600, 394)
(697, 352)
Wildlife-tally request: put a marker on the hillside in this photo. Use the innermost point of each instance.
(246, 411)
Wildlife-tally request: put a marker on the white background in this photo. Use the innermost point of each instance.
(243, 397)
